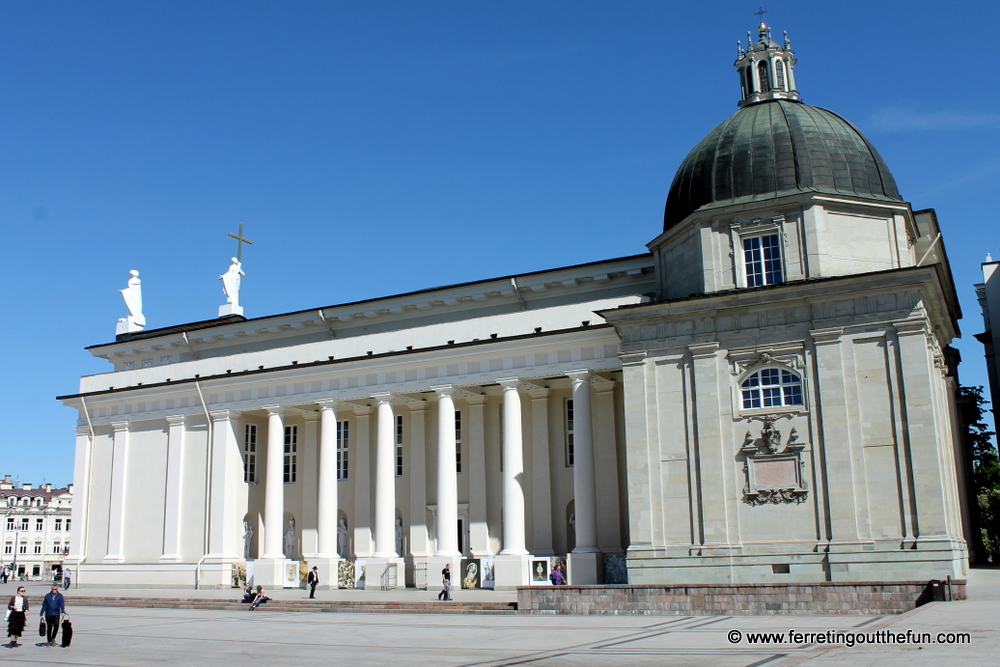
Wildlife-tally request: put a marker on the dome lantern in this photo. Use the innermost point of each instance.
(766, 69)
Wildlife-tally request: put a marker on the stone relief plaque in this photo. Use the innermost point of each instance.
(773, 474)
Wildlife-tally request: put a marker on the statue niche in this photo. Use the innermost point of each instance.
(773, 475)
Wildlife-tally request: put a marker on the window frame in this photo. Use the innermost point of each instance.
(343, 440)
(757, 228)
(569, 416)
(250, 454)
(458, 442)
(290, 454)
(781, 408)
(398, 438)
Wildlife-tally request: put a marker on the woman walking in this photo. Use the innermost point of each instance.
(18, 607)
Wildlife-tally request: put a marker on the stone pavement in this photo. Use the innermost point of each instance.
(116, 637)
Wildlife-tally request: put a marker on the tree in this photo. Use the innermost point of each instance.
(985, 469)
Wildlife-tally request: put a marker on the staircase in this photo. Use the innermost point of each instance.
(345, 606)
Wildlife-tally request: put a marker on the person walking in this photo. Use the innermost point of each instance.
(4, 573)
(445, 593)
(18, 607)
(313, 581)
(67, 578)
(53, 607)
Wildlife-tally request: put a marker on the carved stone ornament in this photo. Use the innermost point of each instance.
(772, 476)
(745, 362)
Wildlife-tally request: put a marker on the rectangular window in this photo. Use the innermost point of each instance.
(22, 548)
(399, 446)
(342, 439)
(67, 524)
(10, 523)
(39, 524)
(58, 525)
(458, 441)
(250, 454)
(24, 523)
(569, 433)
(762, 260)
(38, 547)
(57, 548)
(8, 548)
(291, 453)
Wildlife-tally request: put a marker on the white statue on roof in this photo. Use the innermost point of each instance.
(231, 287)
(132, 294)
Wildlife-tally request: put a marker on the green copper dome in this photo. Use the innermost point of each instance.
(777, 148)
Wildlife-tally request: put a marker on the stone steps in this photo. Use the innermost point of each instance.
(342, 606)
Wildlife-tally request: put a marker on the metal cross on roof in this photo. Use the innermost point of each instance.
(760, 12)
(239, 243)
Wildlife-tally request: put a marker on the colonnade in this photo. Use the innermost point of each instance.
(513, 540)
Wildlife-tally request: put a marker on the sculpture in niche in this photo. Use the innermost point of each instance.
(771, 476)
(399, 536)
(247, 539)
(342, 537)
(290, 540)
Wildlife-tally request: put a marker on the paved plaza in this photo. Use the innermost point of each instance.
(113, 637)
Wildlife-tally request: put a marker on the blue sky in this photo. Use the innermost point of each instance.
(372, 148)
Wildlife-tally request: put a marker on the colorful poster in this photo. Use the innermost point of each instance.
(470, 573)
(290, 574)
(486, 579)
(345, 574)
(540, 572)
(360, 576)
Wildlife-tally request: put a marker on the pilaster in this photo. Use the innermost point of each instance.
(174, 499)
(309, 474)
(419, 546)
(228, 499)
(119, 467)
(541, 479)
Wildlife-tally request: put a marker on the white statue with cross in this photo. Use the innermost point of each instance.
(232, 277)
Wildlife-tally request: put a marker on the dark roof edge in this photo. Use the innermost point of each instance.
(331, 362)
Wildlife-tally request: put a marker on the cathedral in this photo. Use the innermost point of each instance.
(765, 394)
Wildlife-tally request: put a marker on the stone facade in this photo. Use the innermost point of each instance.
(863, 597)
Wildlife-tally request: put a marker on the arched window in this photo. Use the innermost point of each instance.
(765, 81)
(771, 387)
(779, 74)
(748, 85)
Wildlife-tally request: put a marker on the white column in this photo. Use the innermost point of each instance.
(172, 524)
(274, 484)
(385, 479)
(116, 517)
(513, 471)
(81, 496)
(584, 500)
(326, 521)
(447, 477)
